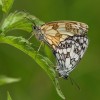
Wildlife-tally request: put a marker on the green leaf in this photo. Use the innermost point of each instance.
(7, 80)
(8, 96)
(15, 20)
(6, 5)
(25, 46)
(52, 73)
(18, 20)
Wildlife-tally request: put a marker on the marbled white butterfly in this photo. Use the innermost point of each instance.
(69, 41)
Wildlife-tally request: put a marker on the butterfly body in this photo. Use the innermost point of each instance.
(69, 41)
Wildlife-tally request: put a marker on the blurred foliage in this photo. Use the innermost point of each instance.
(6, 5)
(7, 80)
(8, 96)
(35, 84)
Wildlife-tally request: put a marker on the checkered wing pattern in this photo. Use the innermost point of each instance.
(69, 52)
(69, 42)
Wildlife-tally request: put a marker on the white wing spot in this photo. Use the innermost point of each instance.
(64, 51)
(68, 49)
(67, 62)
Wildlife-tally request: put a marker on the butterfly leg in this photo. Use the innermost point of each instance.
(40, 46)
(38, 49)
(31, 36)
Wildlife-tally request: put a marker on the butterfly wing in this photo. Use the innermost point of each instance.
(69, 52)
(55, 32)
(69, 42)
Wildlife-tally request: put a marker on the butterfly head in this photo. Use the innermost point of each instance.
(63, 74)
(38, 33)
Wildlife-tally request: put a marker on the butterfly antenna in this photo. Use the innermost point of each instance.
(73, 82)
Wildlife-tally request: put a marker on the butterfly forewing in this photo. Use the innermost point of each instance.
(55, 32)
(69, 42)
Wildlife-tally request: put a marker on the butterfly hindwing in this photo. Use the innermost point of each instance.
(69, 52)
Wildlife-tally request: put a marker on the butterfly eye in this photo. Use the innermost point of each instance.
(34, 27)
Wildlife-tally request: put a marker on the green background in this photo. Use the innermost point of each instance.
(35, 84)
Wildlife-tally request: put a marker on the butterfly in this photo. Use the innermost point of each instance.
(68, 40)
